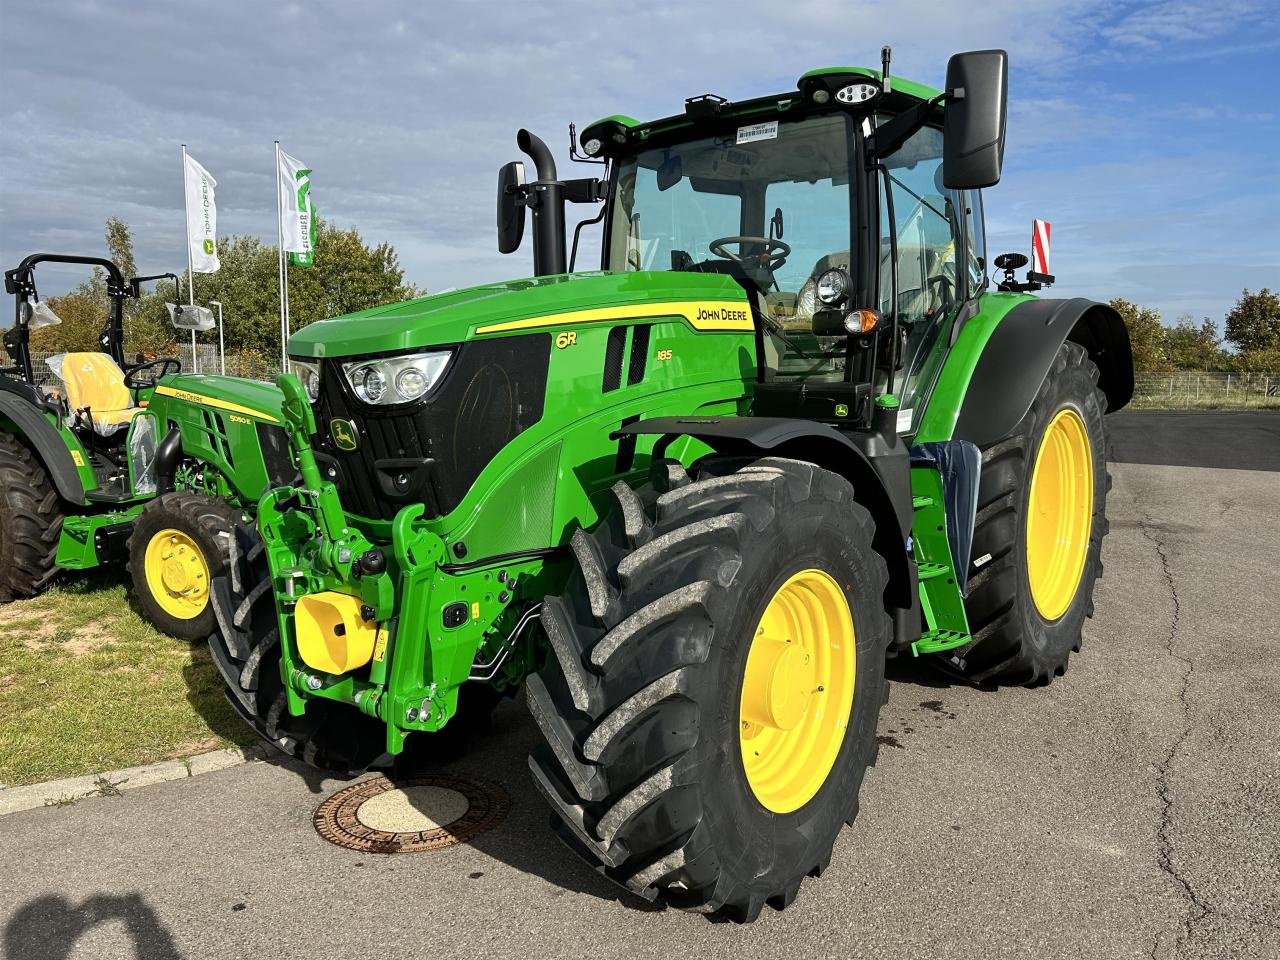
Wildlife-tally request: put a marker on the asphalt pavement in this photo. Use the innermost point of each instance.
(1130, 809)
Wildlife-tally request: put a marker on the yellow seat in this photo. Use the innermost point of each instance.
(93, 380)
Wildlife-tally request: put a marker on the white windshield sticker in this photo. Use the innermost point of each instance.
(758, 131)
(904, 419)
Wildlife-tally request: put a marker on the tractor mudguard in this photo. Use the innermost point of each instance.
(41, 436)
(1019, 353)
(826, 447)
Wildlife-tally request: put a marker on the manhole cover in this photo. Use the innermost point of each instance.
(417, 813)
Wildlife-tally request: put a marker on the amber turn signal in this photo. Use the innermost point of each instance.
(861, 321)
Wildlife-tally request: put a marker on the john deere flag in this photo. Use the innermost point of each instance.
(202, 217)
(299, 227)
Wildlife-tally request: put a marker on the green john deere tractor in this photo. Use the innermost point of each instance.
(137, 461)
(693, 500)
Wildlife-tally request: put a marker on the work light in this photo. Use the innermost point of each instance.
(309, 375)
(388, 381)
(832, 287)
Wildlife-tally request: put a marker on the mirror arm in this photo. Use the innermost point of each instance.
(889, 138)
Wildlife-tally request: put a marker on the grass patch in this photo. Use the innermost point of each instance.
(87, 685)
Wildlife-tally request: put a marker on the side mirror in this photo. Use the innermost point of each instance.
(510, 207)
(974, 121)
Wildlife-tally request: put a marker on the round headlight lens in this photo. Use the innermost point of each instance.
(832, 287)
(592, 147)
(374, 384)
(411, 383)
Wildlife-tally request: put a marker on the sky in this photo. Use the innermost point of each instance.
(1143, 131)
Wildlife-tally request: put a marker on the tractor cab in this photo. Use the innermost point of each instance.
(849, 216)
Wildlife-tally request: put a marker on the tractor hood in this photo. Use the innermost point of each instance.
(459, 315)
(233, 394)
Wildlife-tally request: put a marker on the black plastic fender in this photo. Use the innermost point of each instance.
(876, 480)
(1020, 352)
(39, 434)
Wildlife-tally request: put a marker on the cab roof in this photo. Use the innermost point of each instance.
(624, 129)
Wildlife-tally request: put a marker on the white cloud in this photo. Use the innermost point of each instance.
(406, 111)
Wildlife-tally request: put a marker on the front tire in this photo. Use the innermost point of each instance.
(651, 705)
(179, 544)
(245, 646)
(1042, 514)
(30, 522)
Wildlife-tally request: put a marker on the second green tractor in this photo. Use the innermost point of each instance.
(693, 500)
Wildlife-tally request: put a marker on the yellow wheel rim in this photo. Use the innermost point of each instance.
(1059, 514)
(177, 574)
(797, 691)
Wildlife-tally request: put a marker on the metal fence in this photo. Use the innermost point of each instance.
(1198, 389)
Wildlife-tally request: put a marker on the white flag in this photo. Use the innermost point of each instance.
(295, 190)
(202, 218)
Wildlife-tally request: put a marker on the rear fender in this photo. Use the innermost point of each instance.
(35, 430)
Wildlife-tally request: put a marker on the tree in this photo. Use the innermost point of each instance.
(1147, 335)
(348, 275)
(1254, 322)
(1195, 348)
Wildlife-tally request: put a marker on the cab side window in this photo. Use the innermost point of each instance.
(927, 220)
(976, 235)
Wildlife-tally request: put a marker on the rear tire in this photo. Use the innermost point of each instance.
(1014, 641)
(30, 522)
(640, 703)
(203, 525)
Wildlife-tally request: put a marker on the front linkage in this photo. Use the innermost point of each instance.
(423, 627)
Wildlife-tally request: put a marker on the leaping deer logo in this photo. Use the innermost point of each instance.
(344, 435)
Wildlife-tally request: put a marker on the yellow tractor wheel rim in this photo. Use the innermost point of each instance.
(177, 574)
(1059, 514)
(797, 691)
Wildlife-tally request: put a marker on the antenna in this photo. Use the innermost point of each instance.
(886, 52)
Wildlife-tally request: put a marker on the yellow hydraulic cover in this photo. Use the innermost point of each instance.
(332, 636)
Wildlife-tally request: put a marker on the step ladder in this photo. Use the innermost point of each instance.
(944, 614)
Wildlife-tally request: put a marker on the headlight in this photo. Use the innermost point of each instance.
(393, 380)
(832, 287)
(309, 374)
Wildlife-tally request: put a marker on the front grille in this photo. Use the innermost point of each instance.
(492, 391)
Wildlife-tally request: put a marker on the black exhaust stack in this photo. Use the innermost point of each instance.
(546, 199)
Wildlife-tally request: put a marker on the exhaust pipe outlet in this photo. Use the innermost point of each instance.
(548, 207)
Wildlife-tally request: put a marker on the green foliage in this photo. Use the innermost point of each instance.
(1254, 322)
(348, 275)
(1147, 335)
(1254, 361)
(1191, 347)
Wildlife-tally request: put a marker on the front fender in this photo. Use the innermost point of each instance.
(886, 495)
(995, 369)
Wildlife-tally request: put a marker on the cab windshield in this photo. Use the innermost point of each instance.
(768, 203)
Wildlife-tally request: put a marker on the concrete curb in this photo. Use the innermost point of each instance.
(114, 782)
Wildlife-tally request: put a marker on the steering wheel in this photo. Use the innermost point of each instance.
(775, 252)
(134, 381)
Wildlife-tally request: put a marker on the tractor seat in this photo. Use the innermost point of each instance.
(94, 381)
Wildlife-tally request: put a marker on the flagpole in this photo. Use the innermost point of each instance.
(191, 274)
(282, 270)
